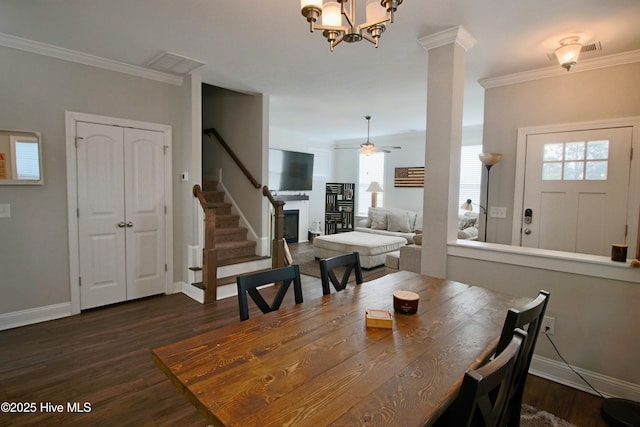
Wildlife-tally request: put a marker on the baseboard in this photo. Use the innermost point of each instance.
(193, 292)
(561, 373)
(34, 315)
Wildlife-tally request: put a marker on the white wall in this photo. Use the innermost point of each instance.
(323, 169)
(36, 91)
(410, 155)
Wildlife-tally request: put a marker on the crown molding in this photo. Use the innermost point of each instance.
(451, 35)
(86, 59)
(542, 73)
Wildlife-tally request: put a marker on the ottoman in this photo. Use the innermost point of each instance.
(373, 248)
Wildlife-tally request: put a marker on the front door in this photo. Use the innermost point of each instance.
(120, 173)
(575, 191)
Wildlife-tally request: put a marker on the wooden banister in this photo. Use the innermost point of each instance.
(209, 252)
(211, 131)
(277, 249)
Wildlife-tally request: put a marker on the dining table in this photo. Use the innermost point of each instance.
(317, 363)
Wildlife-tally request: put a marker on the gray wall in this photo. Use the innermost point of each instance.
(241, 120)
(35, 92)
(596, 319)
(574, 97)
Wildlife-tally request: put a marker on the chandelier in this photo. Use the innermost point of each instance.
(378, 12)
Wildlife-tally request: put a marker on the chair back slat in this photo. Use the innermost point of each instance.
(248, 285)
(529, 318)
(484, 391)
(328, 266)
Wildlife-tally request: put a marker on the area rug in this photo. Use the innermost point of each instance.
(531, 417)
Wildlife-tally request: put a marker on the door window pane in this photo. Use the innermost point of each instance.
(598, 150)
(553, 152)
(552, 171)
(575, 161)
(596, 171)
(574, 151)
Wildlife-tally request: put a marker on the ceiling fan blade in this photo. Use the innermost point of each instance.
(381, 150)
(390, 147)
(347, 148)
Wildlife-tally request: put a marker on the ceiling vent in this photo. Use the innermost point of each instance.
(586, 49)
(168, 62)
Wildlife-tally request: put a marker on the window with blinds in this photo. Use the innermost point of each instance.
(26, 158)
(470, 174)
(371, 168)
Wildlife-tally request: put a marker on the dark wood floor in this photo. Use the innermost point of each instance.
(103, 357)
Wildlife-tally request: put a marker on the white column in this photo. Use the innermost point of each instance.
(446, 53)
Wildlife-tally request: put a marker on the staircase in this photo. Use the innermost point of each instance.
(235, 253)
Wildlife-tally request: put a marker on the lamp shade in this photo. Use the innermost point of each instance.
(490, 159)
(374, 187)
(314, 3)
(331, 14)
(568, 52)
(467, 206)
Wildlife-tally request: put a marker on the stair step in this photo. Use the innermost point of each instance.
(223, 221)
(242, 248)
(221, 208)
(213, 196)
(230, 234)
(240, 260)
(199, 285)
(209, 184)
(232, 279)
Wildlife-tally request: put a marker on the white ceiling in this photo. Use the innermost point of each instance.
(266, 47)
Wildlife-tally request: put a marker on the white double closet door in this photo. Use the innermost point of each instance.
(121, 213)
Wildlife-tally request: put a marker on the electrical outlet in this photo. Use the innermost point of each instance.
(549, 325)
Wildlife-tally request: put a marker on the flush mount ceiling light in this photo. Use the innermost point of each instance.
(568, 52)
(378, 12)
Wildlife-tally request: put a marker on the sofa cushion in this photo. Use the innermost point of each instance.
(378, 219)
(418, 225)
(398, 221)
(417, 239)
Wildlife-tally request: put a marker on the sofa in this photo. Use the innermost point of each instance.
(404, 223)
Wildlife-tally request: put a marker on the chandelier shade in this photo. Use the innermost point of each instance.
(568, 52)
(336, 29)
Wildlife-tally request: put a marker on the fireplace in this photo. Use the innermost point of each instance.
(291, 221)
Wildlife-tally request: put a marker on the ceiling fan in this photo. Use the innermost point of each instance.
(368, 148)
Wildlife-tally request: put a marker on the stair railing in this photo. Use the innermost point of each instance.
(277, 249)
(209, 251)
(209, 259)
(212, 132)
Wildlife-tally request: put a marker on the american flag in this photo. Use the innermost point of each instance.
(409, 177)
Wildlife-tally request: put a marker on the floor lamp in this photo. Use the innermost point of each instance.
(488, 159)
(374, 188)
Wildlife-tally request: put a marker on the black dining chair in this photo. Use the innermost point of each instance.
(328, 267)
(483, 394)
(249, 284)
(528, 318)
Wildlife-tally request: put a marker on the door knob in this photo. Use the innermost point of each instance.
(527, 231)
(121, 224)
(129, 224)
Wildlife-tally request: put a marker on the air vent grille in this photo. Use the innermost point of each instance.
(586, 49)
(172, 63)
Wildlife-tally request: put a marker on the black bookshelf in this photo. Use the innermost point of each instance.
(339, 214)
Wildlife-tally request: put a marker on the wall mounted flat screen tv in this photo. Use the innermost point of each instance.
(290, 170)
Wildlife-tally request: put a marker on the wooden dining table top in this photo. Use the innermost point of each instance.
(317, 364)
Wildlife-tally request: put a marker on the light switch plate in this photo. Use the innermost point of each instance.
(5, 210)
(497, 212)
